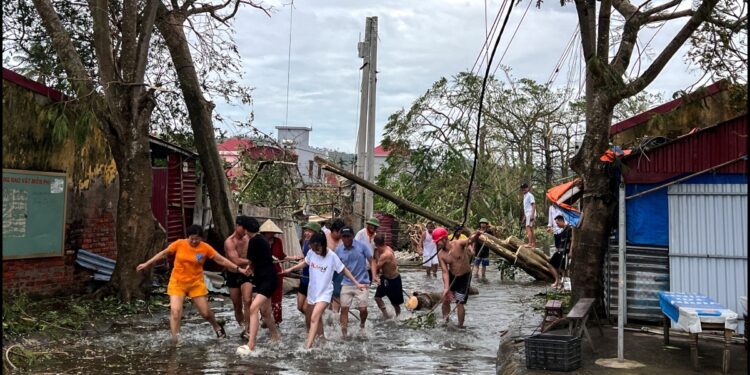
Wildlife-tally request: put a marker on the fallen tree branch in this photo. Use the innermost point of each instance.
(535, 264)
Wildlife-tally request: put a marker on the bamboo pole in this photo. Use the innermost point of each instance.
(535, 264)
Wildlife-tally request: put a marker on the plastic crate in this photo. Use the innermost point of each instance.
(553, 352)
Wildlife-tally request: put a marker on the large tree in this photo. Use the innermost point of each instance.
(116, 94)
(607, 84)
(172, 21)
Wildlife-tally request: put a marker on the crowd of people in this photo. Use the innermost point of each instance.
(336, 270)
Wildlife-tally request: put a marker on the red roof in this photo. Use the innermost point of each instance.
(694, 152)
(380, 151)
(236, 144)
(32, 85)
(664, 108)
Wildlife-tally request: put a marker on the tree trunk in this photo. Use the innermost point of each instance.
(199, 110)
(139, 234)
(534, 263)
(591, 240)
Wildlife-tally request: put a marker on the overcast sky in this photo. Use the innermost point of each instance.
(419, 42)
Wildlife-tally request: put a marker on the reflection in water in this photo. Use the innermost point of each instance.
(385, 347)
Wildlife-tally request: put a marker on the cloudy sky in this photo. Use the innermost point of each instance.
(419, 42)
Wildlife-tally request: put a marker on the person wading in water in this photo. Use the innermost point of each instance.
(456, 272)
(190, 255)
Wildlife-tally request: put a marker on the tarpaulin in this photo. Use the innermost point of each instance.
(571, 217)
(565, 195)
(647, 216)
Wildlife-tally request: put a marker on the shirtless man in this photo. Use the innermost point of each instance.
(456, 272)
(240, 286)
(390, 279)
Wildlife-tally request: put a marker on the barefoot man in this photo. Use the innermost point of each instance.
(390, 280)
(454, 259)
(240, 286)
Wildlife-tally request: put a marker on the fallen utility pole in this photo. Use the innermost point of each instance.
(534, 263)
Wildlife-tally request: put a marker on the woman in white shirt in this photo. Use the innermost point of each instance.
(320, 290)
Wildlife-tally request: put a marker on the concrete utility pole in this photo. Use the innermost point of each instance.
(371, 113)
(366, 132)
(363, 49)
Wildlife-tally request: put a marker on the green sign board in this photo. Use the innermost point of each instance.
(33, 214)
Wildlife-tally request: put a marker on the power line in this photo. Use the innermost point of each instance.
(563, 57)
(479, 118)
(487, 40)
(512, 37)
(289, 63)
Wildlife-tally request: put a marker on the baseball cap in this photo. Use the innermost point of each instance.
(346, 231)
(483, 220)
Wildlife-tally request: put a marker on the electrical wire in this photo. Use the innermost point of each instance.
(479, 119)
(512, 37)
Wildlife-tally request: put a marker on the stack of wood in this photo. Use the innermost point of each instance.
(533, 262)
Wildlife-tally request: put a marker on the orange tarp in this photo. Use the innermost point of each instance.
(554, 193)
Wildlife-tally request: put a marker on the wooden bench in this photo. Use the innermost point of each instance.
(553, 314)
(578, 317)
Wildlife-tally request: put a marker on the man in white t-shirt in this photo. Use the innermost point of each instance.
(367, 234)
(552, 226)
(529, 214)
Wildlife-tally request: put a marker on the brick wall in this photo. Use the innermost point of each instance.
(60, 275)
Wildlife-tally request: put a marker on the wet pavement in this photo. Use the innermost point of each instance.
(385, 347)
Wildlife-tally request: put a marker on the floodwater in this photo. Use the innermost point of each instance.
(385, 347)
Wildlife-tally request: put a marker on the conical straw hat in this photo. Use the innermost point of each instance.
(270, 227)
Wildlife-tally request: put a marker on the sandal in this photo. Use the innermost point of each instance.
(221, 333)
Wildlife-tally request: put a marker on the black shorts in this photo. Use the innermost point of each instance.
(235, 280)
(559, 260)
(265, 284)
(459, 285)
(303, 288)
(392, 289)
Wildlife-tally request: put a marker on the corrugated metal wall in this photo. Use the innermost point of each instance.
(708, 241)
(647, 271)
(292, 231)
(181, 195)
(389, 228)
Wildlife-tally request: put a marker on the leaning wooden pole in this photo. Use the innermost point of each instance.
(534, 263)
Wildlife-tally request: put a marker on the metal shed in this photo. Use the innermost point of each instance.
(708, 241)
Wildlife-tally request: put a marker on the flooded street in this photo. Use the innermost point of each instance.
(385, 347)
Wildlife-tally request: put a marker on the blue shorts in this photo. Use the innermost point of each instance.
(483, 261)
(337, 279)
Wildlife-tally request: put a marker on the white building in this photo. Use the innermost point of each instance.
(379, 156)
(298, 139)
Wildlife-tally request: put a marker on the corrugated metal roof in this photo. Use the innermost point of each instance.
(663, 108)
(692, 153)
(708, 241)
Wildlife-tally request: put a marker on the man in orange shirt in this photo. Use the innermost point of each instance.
(190, 255)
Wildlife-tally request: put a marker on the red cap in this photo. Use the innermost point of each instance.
(439, 233)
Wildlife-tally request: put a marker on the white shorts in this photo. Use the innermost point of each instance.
(428, 253)
(529, 223)
(350, 293)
